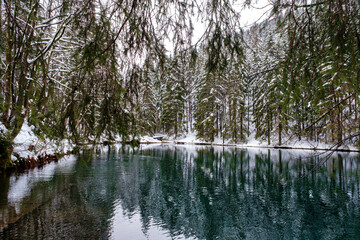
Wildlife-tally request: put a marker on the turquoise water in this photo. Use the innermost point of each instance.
(185, 192)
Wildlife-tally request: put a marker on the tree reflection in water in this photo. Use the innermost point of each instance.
(164, 192)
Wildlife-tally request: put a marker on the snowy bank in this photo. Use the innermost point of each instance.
(253, 143)
(28, 146)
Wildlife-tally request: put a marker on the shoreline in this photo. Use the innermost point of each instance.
(251, 146)
(24, 164)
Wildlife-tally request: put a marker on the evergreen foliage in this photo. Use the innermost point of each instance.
(89, 70)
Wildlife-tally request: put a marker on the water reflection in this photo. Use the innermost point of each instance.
(189, 192)
(21, 193)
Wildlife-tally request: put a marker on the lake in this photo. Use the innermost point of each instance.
(185, 192)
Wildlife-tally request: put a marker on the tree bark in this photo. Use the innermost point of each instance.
(280, 126)
(8, 66)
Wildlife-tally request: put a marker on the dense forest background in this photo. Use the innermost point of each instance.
(85, 70)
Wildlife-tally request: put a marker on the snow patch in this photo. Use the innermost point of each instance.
(148, 139)
(190, 138)
(252, 142)
(27, 144)
(25, 140)
(3, 129)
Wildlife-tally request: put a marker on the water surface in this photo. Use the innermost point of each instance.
(185, 192)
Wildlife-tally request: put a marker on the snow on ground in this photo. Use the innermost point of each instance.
(255, 143)
(190, 138)
(27, 144)
(303, 144)
(25, 140)
(148, 139)
(2, 128)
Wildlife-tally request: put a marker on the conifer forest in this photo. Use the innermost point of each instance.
(93, 69)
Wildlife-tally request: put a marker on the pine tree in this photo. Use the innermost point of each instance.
(173, 98)
(205, 112)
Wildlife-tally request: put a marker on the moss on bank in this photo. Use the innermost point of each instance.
(6, 149)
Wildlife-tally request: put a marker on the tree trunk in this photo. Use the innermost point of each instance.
(8, 68)
(241, 127)
(189, 116)
(299, 129)
(339, 126)
(280, 126)
(21, 105)
(5, 152)
(357, 112)
(248, 120)
(268, 132)
(1, 46)
(0, 17)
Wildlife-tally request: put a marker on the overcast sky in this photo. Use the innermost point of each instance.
(258, 12)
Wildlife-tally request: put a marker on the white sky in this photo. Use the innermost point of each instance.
(258, 12)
